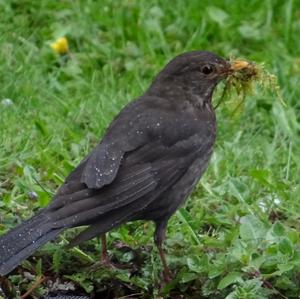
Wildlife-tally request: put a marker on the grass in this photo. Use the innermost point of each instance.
(238, 236)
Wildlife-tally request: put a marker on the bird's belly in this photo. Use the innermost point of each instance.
(168, 202)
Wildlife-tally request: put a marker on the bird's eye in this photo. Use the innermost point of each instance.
(207, 69)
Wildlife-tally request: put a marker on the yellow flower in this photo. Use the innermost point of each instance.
(60, 46)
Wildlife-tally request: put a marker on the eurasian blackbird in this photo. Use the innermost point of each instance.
(144, 168)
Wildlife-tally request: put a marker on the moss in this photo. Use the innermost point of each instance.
(243, 79)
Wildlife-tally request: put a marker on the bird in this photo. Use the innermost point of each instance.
(144, 168)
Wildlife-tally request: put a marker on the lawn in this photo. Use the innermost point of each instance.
(238, 235)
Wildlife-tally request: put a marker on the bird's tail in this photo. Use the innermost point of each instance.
(19, 243)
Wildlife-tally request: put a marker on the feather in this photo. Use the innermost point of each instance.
(22, 241)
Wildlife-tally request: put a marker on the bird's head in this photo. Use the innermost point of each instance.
(194, 74)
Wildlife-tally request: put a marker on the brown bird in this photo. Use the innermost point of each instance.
(144, 168)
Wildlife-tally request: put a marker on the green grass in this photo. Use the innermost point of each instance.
(238, 235)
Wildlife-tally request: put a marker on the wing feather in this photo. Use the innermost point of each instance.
(148, 121)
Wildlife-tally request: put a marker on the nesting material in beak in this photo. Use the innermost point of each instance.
(242, 75)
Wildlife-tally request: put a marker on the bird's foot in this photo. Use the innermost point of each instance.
(104, 263)
(107, 262)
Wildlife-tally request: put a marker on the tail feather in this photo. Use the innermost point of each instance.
(19, 243)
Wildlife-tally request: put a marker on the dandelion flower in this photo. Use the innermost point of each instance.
(60, 46)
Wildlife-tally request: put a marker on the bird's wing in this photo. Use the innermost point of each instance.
(125, 134)
(138, 124)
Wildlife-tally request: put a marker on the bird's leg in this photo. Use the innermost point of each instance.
(105, 260)
(159, 237)
(166, 273)
(104, 256)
